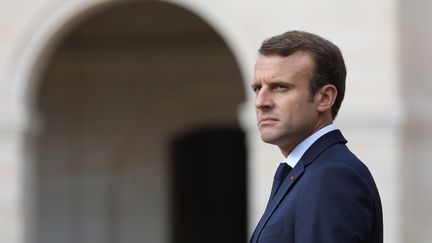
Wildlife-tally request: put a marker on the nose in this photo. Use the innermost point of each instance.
(263, 100)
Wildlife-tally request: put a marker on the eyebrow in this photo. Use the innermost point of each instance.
(279, 82)
(276, 82)
(272, 83)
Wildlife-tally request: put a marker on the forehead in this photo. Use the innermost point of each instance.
(275, 66)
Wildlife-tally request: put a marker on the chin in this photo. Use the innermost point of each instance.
(278, 139)
(269, 139)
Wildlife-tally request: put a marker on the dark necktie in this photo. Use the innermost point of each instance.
(281, 172)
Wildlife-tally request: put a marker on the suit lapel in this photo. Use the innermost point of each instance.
(287, 184)
(309, 156)
(321, 145)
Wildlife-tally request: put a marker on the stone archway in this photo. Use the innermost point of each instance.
(119, 86)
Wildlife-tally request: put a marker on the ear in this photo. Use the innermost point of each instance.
(325, 97)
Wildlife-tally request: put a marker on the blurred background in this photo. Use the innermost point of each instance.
(133, 121)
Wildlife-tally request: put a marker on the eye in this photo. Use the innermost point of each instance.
(280, 87)
(256, 88)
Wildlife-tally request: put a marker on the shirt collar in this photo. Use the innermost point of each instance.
(301, 148)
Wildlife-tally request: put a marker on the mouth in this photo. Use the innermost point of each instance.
(267, 121)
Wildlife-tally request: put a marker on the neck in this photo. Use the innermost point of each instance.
(286, 150)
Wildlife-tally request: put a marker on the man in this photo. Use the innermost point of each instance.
(329, 195)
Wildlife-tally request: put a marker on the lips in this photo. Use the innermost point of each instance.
(267, 121)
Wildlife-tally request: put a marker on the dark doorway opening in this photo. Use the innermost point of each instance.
(122, 79)
(209, 186)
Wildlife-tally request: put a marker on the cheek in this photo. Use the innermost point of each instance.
(293, 107)
(298, 111)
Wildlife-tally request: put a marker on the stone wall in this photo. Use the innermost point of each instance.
(387, 49)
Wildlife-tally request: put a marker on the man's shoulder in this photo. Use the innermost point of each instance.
(339, 159)
(330, 152)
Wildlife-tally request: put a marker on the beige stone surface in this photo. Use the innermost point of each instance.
(385, 116)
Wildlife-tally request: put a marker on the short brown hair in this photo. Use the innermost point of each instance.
(329, 62)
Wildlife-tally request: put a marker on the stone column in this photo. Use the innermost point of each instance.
(12, 205)
(416, 83)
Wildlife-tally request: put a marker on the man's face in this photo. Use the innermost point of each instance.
(286, 114)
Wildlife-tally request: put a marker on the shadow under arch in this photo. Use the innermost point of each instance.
(114, 90)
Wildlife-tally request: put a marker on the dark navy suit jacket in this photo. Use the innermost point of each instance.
(328, 197)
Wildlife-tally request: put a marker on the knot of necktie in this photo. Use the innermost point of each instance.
(282, 171)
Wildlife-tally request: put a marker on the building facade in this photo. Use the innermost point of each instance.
(101, 99)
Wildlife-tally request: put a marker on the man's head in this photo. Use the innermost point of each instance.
(299, 84)
(329, 63)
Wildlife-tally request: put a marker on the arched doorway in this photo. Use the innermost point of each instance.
(119, 88)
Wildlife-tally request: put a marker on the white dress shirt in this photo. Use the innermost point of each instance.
(301, 148)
